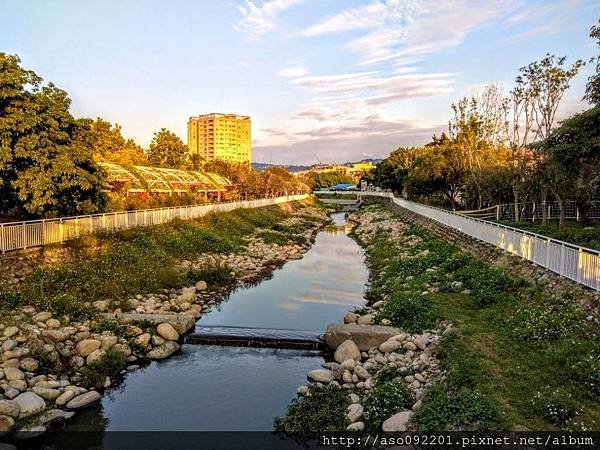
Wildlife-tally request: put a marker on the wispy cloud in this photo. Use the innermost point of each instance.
(259, 17)
(293, 72)
(360, 18)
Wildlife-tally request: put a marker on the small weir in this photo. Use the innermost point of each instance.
(256, 337)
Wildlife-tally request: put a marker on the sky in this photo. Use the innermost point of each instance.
(323, 80)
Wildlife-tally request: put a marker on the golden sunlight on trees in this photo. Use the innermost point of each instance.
(503, 148)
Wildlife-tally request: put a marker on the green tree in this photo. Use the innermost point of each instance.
(111, 146)
(592, 89)
(46, 163)
(571, 159)
(167, 150)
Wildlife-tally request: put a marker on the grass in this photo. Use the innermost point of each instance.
(110, 364)
(120, 264)
(323, 411)
(512, 341)
(586, 235)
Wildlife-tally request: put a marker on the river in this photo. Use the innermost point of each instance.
(216, 388)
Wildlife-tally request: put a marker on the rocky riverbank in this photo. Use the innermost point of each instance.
(54, 365)
(401, 364)
(384, 370)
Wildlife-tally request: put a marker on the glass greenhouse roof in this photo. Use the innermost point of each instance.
(161, 180)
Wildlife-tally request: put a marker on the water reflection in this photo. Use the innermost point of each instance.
(228, 388)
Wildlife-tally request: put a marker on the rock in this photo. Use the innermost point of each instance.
(95, 356)
(46, 393)
(63, 398)
(321, 375)
(167, 331)
(101, 305)
(21, 385)
(29, 404)
(53, 323)
(351, 317)
(420, 342)
(398, 422)
(83, 400)
(417, 405)
(361, 372)
(11, 392)
(7, 423)
(42, 316)
(143, 339)
(347, 350)
(356, 426)
(87, 346)
(188, 295)
(164, 350)
(410, 346)
(12, 373)
(29, 364)
(9, 408)
(364, 336)
(367, 319)
(9, 345)
(354, 412)
(201, 286)
(349, 364)
(389, 346)
(106, 342)
(55, 416)
(354, 398)
(302, 390)
(10, 331)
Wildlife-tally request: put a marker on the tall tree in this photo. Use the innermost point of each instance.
(167, 150)
(592, 89)
(111, 146)
(46, 164)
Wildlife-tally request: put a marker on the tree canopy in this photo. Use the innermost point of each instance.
(46, 155)
(167, 150)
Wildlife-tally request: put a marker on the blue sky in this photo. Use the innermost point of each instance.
(323, 80)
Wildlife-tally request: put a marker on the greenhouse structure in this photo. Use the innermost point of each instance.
(160, 180)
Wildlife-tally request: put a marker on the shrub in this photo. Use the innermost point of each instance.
(110, 364)
(116, 327)
(388, 373)
(215, 276)
(323, 411)
(467, 410)
(556, 406)
(386, 399)
(409, 311)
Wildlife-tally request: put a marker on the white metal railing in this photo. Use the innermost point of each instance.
(37, 233)
(577, 263)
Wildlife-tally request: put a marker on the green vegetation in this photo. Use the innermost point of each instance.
(323, 411)
(386, 399)
(586, 235)
(326, 180)
(110, 364)
(409, 311)
(139, 260)
(510, 339)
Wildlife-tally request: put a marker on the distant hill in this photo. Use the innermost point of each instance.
(292, 168)
(299, 168)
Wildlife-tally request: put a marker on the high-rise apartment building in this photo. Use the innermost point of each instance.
(220, 136)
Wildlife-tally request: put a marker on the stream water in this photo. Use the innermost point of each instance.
(216, 388)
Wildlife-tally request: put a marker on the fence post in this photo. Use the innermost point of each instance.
(577, 213)
(2, 238)
(497, 212)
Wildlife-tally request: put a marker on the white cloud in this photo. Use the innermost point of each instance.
(361, 18)
(293, 72)
(259, 17)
